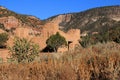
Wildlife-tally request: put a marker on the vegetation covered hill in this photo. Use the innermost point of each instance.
(23, 19)
(100, 24)
(92, 20)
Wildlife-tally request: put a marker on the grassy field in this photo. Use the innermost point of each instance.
(98, 62)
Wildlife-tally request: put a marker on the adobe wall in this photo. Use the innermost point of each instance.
(73, 35)
(45, 32)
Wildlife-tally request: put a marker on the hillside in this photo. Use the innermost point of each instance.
(11, 19)
(102, 20)
(33, 29)
(92, 20)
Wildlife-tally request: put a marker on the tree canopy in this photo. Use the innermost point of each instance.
(55, 41)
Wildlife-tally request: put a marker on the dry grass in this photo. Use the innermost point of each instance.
(99, 62)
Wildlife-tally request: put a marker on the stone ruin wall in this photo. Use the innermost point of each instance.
(72, 35)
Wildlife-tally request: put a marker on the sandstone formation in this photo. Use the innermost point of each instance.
(10, 22)
(92, 20)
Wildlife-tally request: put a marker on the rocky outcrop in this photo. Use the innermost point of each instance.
(90, 20)
(58, 20)
(2, 7)
(10, 22)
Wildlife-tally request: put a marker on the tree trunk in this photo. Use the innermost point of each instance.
(55, 49)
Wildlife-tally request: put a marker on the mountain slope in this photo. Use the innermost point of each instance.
(93, 20)
(11, 18)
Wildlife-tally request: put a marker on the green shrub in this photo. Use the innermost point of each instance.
(85, 41)
(115, 34)
(24, 50)
(94, 39)
(2, 26)
(55, 41)
(3, 39)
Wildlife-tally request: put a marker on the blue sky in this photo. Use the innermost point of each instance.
(47, 8)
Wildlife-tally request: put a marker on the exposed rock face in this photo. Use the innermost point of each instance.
(2, 7)
(90, 20)
(10, 22)
(60, 19)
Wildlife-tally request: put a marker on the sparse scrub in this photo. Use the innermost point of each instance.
(3, 39)
(24, 50)
(98, 62)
